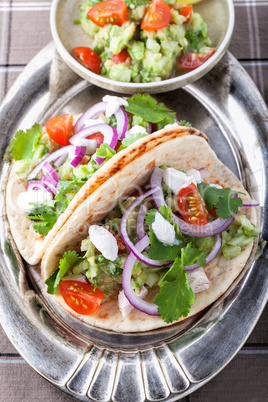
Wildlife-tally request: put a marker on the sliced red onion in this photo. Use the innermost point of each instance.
(210, 229)
(203, 173)
(55, 155)
(60, 160)
(251, 203)
(92, 113)
(123, 228)
(37, 185)
(50, 183)
(210, 256)
(95, 111)
(79, 153)
(109, 133)
(134, 300)
(121, 122)
(49, 171)
(149, 128)
(140, 221)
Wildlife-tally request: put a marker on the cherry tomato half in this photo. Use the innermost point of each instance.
(190, 61)
(122, 248)
(88, 58)
(60, 128)
(122, 57)
(192, 206)
(98, 137)
(81, 296)
(186, 11)
(157, 16)
(108, 12)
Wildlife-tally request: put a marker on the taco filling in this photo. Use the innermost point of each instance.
(160, 239)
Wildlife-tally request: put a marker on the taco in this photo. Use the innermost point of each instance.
(136, 261)
(56, 167)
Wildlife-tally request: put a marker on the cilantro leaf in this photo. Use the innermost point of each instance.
(45, 218)
(175, 296)
(147, 107)
(193, 254)
(105, 151)
(185, 123)
(131, 139)
(68, 260)
(23, 144)
(221, 198)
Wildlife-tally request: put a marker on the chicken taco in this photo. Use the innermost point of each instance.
(57, 166)
(140, 260)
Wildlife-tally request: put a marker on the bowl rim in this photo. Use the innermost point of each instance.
(169, 83)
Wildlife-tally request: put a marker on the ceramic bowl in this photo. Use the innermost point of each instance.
(218, 14)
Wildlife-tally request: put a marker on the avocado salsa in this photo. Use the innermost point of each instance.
(142, 41)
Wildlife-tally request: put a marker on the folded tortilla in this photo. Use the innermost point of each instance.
(181, 148)
(32, 245)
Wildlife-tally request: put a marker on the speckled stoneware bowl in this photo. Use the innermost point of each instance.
(218, 14)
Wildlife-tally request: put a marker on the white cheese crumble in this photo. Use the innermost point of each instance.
(123, 303)
(104, 241)
(91, 145)
(163, 230)
(198, 280)
(176, 180)
(93, 122)
(136, 130)
(113, 104)
(215, 185)
(36, 196)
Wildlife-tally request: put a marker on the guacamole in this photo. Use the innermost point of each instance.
(148, 42)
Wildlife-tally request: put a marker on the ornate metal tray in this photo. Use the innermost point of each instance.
(96, 365)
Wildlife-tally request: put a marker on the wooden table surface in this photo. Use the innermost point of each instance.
(24, 31)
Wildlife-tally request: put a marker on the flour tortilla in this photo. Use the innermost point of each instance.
(32, 245)
(184, 152)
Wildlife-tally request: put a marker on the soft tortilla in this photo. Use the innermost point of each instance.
(32, 245)
(184, 152)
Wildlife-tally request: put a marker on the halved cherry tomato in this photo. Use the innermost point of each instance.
(98, 137)
(186, 11)
(122, 248)
(213, 212)
(157, 16)
(88, 58)
(60, 128)
(192, 206)
(190, 61)
(122, 57)
(108, 12)
(81, 296)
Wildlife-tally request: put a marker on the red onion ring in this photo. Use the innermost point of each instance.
(210, 256)
(123, 229)
(140, 221)
(60, 160)
(55, 155)
(251, 203)
(134, 300)
(110, 136)
(37, 185)
(96, 110)
(79, 154)
(210, 229)
(50, 183)
(49, 171)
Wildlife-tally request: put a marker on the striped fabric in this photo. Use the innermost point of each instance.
(24, 30)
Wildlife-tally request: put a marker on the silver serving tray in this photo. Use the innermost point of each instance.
(167, 364)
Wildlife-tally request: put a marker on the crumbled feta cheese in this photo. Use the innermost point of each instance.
(215, 185)
(91, 145)
(93, 122)
(135, 130)
(113, 104)
(163, 230)
(177, 180)
(123, 303)
(36, 196)
(196, 174)
(104, 241)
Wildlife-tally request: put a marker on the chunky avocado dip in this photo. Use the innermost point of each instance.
(141, 40)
